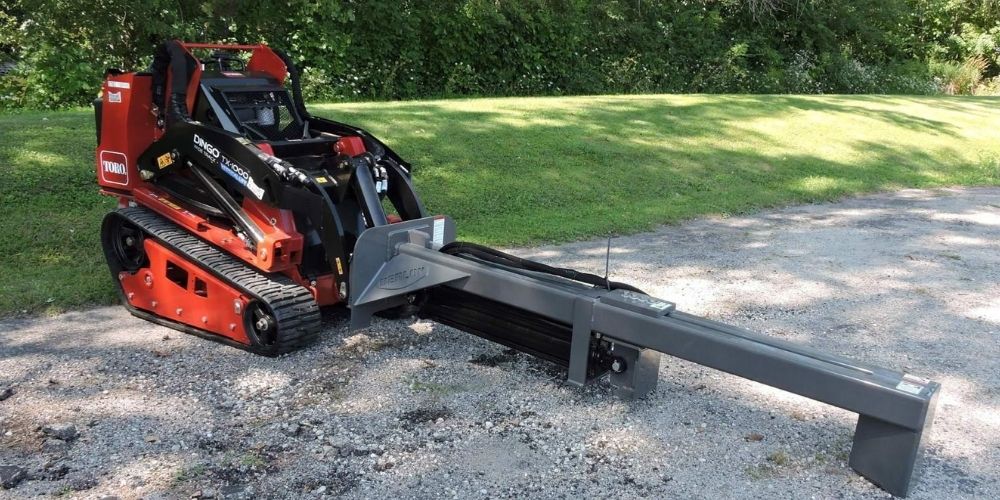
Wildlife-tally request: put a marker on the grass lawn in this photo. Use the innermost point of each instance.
(526, 170)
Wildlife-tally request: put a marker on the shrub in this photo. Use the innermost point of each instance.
(958, 78)
(990, 87)
(404, 49)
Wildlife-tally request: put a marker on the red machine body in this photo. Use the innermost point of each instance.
(131, 120)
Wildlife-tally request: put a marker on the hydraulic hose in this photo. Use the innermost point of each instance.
(171, 55)
(294, 76)
(459, 248)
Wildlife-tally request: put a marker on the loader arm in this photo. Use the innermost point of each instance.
(249, 171)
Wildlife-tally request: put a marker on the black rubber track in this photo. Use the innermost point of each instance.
(292, 305)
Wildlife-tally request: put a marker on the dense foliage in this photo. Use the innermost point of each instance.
(397, 49)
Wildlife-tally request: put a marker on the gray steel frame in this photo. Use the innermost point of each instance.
(895, 409)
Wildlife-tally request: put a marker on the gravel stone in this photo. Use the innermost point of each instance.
(400, 410)
(54, 471)
(11, 476)
(82, 483)
(234, 491)
(65, 432)
(53, 445)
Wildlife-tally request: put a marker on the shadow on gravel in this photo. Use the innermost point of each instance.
(905, 281)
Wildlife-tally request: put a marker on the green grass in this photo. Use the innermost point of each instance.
(520, 171)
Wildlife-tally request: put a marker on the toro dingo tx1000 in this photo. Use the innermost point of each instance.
(241, 214)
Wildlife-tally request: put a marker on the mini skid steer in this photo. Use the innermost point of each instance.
(241, 215)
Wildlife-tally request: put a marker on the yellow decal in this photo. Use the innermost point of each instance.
(165, 160)
(321, 180)
(340, 269)
(169, 203)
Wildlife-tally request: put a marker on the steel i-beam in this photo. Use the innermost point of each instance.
(895, 409)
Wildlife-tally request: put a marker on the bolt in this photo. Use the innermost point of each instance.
(148, 280)
(154, 304)
(204, 319)
(618, 365)
(312, 283)
(232, 326)
(122, 275)
(237, 307)
(179, 311)
(263, 324)
(130, 295)
(130, 241)
(146, 175)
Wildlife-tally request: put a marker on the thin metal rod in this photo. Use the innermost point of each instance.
(607, 265)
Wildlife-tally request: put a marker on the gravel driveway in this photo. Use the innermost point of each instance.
(101, 403)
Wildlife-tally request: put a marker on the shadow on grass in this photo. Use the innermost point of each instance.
(516, 171)
(579, 166)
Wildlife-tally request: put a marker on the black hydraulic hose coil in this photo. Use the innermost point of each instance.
(459, 248)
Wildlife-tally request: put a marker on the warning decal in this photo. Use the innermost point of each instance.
(439, 231)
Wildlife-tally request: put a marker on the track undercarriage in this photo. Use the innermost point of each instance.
(169, 277)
